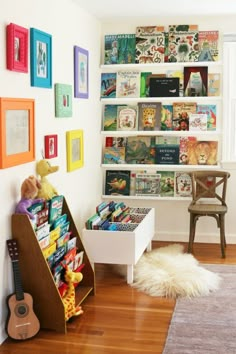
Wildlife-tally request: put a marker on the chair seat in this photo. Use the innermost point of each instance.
(203, 209)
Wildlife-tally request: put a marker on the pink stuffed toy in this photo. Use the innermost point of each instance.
(29, 190)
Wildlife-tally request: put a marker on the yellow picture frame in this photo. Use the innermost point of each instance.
(74, 149)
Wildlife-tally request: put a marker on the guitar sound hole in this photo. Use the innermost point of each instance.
(21, 310)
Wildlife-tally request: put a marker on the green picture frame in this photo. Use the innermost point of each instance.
(63, 100)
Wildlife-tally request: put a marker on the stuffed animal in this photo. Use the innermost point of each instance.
(69, 298)
(29, 191)
(43, 168)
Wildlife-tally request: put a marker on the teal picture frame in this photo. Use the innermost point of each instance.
(63, 100)
(40, 58)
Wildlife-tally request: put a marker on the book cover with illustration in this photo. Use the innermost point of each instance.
(114, 155)
(133, 180)
(110, 49)
(167, 150)
(183, 184)
(184, 142)
(144, 83)
(163, 86)
(181, 112)
(150, 44)
(108, 85)
(127, 117)
(126, 48)
(183, 43)
(208, 42)
(148, 184)
(149, 116)
(109, 117)
(198, 122)
(202, 152)
(117, 182)
(140, 150)
(210, 111)
(195, 81)
(180, 75)
(214, 84)
(166, 117)
(167, 183)
(128, 84)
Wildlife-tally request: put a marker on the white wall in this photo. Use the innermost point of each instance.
(69, 25)
(172, 218)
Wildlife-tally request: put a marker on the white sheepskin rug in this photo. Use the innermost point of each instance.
(169, 272)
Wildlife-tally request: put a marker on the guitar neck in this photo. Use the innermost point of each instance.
(17, 280)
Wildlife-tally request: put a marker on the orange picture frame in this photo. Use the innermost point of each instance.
(17, 131)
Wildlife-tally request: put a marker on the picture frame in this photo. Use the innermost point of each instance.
(17, 48)
(75, 149)
(81, 72)
(40, 58)
(50, 146)
(63, 100)
(17, 131)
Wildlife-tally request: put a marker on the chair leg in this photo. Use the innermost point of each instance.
(222, 235)
(191, 232)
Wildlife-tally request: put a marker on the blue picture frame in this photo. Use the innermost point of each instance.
(40, 58)
(81, 72)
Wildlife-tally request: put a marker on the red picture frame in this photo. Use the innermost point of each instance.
(50, 146)
(17, 48)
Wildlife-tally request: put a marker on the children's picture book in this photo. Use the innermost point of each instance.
(213, 84)
(183, 184)
(133, 180)
(208, 42)
(180, 75)
(128, 84)
(167, 183)
(140, 150)
(183, 43)
(184, 142)
(144, 83)
(55, 209)
(117, 182)
(110, 49)
(195, 81)
(148, 184)
(181, 113)
(114, 155)
(202, 152)
(210, 111)
(109, 114)
(197, 122)
(150, 44)
(164, 87)
(126, 48)
(108, 85)
(166, 117)
(149, 114)
(167, 150)
(127, 117)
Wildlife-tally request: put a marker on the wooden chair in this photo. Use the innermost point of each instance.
(208, 199)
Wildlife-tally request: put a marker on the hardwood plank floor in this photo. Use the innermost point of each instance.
(119, 319)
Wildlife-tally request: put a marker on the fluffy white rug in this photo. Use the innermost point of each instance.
(169, 272)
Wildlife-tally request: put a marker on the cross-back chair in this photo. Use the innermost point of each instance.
(208, 199)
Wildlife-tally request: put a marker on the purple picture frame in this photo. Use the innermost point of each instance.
(81, 72)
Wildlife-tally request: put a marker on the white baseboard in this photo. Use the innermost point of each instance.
(200, 238)
(3, 334)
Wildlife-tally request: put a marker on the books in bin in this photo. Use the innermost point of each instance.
(55, 209)
(150, 44)
(128, 84)
(108, 85)
(148, 184)
(149, 114)
(117, 182)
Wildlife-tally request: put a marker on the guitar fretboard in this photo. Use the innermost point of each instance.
(17, 281)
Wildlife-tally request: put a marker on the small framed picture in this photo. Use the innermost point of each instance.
(75, 149)
(50, 146)
(81, 73)
(40, 58)
(63, 100)
(17, 141)
(17, 48)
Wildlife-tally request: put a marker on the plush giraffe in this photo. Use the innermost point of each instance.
(69, 298)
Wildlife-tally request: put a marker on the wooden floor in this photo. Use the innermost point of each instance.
(119, 319)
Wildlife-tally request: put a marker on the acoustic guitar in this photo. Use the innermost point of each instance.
(22, 322)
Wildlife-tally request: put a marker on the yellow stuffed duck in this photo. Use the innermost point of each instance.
(43, 169)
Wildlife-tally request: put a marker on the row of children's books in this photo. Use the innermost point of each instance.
(192, 81)
(151, 116)
(157, 44)
(57, 242)
(163, 150)
(149, 184)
